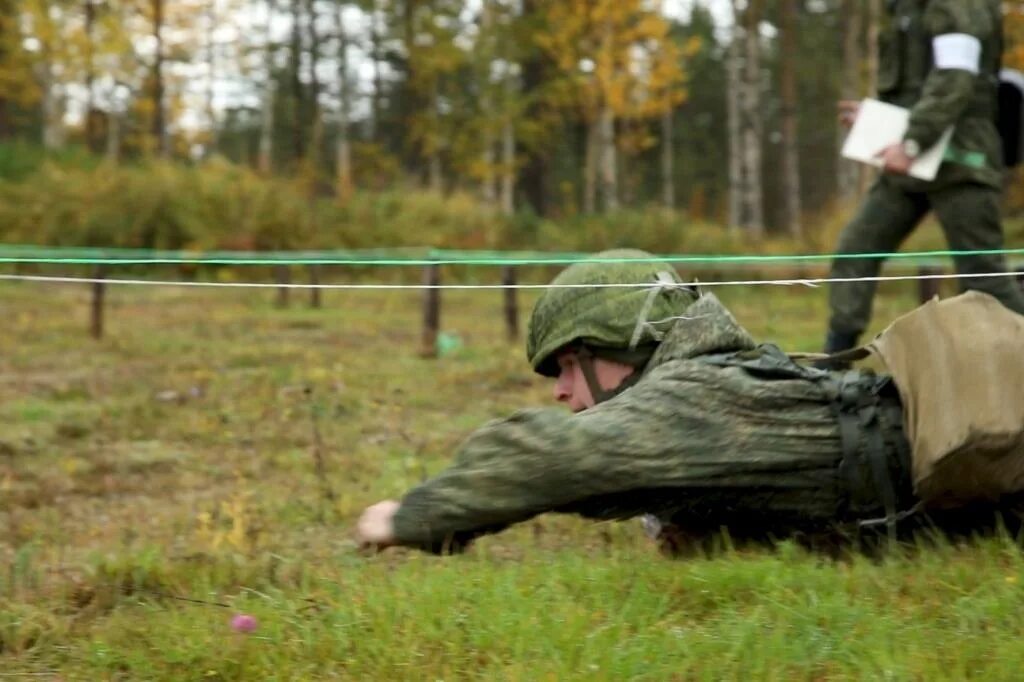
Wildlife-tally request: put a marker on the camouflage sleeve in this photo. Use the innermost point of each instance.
(948, 91)
(501, 475)
(684, 427)
(540, 460)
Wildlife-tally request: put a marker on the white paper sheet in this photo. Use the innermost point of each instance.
(880, 125)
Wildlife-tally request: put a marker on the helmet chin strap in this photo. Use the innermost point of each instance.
(586, 358)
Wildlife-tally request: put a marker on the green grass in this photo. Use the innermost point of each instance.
(173, 459)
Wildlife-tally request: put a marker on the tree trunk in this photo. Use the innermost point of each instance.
(50, 108)
(295, 67)
(508, 134)
(489, 187)
(590, 159)
(607, 161)
(872, 21)
(266, 153)
(7, 11)
(343, 156)
(608, 171)
(734, 88)
(312, 162)
(343, 162)
(316, 115)
(211, 56)
(6, 129)
(487, 113)
(160, 137)
(91, 142)
(378, 81)
(790, 118)
(668, 185)
(850, 89)
(752, 123)
(435, 175)
(508, 167)
(533, 175)
(113, 151)
(283, 275)
(436, 178)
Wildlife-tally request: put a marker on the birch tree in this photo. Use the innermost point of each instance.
(733, 94)
(790, 116)
(265, 162)
(850, 86)
(343, 151)
(750, 206)
(159, 123)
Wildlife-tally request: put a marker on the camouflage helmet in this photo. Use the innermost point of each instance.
(604, 318)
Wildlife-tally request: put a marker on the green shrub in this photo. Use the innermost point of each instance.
(219, 205)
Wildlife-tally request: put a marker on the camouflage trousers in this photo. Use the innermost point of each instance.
(969, 216)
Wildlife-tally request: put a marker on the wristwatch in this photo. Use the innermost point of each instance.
(912, 148)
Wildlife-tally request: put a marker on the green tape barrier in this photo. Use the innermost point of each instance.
(413, 256)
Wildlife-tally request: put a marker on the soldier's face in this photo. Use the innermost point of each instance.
(572, 388)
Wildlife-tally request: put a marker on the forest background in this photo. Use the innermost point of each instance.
(576, 124)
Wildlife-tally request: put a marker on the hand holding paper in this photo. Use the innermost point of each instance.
(895, 160)
(880, 126)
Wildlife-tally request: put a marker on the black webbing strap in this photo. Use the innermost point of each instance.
(867, 409)
(844, 404)
(585, 356)
(864, 418)
(874, 447)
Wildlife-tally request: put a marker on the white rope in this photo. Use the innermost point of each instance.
(812, 282)
(665, 281)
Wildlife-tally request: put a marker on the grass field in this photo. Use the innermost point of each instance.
(175, 460)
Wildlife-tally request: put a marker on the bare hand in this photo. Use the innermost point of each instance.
(376, 526)
(848, 112)
(895, 160)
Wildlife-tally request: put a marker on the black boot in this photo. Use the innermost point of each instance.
(837, 342)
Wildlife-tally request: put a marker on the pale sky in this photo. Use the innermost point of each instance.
(720, 9)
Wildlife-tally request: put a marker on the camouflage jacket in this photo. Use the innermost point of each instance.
(690, 440)
(942, 97)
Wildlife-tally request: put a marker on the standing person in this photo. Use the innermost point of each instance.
(940, 59)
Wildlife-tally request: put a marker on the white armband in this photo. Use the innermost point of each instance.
(957, 51)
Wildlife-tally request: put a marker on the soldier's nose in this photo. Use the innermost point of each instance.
(561, 390)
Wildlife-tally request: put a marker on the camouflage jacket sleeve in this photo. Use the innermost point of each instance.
(676, 429)
(506, 472)
(948, 92)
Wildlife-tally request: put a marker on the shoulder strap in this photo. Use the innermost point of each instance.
(766, 360)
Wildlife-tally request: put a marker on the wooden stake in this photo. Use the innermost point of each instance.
(283, 275)
(327, 496)
(98, 296)
(508, 279)
(431, 311)
(314, 293)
